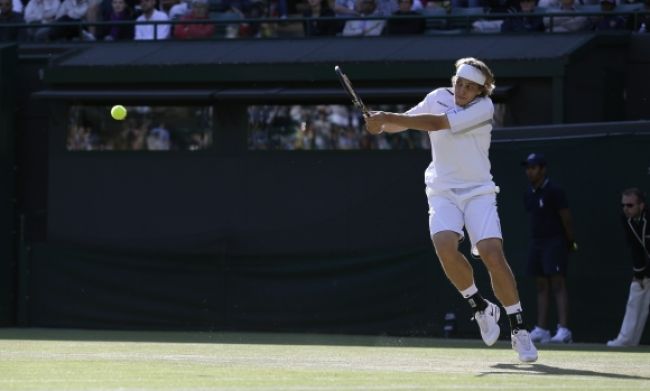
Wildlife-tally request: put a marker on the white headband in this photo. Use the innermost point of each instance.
(470, 73)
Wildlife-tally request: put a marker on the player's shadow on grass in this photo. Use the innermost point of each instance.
(541, 369)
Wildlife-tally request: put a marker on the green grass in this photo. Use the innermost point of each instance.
(39, 359)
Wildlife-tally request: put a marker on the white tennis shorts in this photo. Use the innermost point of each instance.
(474, 208)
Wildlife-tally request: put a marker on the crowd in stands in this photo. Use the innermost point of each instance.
(146, 128)
(53, 20)
(322, 127)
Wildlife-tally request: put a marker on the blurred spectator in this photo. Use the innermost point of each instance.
(69, 11)
(360, 27)
(406, 26)
(40, 12)
(234, 9)
(120, 12)
(499, 7)
(180, 9)
(17, 6)
(258, 10)
(8, 16)
(278, 8)
(566, 24)
(609, 21)
(239, 7)
(386, 7)
(466, 3)
(199, 11)
(551, 4)
(526, 23)
(158, 139)
(438, 4)
(151, 14)
(345, 8)
(318, 9)
(490, 25)
(321, 127)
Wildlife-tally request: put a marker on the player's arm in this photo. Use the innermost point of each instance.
(380, 121)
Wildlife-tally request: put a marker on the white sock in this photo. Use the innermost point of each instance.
(513, 309)
(469, 291)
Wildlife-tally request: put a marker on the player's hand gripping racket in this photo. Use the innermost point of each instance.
(347, 86)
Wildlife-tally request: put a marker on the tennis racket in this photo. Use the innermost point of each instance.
(347, 86)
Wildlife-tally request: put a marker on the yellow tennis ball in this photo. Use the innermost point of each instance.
(118, 112)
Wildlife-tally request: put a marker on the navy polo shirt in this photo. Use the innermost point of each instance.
(543, 205)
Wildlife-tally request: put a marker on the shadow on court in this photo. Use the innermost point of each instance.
(541, 369)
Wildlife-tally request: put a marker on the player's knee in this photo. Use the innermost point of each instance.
(491, 252)
(446, 244)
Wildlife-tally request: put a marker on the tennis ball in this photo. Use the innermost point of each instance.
(118, 112)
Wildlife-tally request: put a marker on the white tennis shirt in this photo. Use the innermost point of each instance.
(460, 155)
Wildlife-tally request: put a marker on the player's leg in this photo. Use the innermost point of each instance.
(503, 281)
(560, 291)
(461, 274)
(446, 228)
(483, 225)
(645, 309)
(541, 332)
(633, 312)
(554, 260)
(456, 267)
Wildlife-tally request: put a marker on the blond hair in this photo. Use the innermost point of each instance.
(488, 87)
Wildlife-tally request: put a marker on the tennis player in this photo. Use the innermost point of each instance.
(461, 193)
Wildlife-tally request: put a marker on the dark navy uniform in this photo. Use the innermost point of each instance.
(548, 253)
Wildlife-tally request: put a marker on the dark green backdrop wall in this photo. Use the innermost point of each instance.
(7, 261)
(292, 241)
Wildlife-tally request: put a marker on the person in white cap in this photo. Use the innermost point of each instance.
(461, 193)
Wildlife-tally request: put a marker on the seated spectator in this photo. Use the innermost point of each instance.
(320, 9)
(120, 12)
(69, 11)
(466, 3)
(151, 14)
(234, 9)
(552, 4)
(9, 16)
(438, 5)
(40, 12)
(609, 21)
(238, 7)
(360, 27)
(345, 8)
(406, 26)
(526, 23)
(566, 24)
(491, 25)
(17, 6)
(386, 7)
(499, 7)
(180, 9)
(199, 11)
(258, 10)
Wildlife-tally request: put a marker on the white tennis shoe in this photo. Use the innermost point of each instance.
(488, 322)
(540, 335)
(522, 344)
(563, 335)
